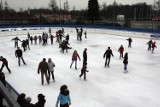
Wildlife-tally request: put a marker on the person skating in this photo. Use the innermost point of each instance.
(63, 97)
(4, 63)
(51, 38)
(51, 68)
(125, 62)
(149, 43)
(120, 50)
(19, 54)
(85, 57)
(129, 42)
(35, 39)
(85, 33)
(74, 58)
(64, 46)
(27, 44)
(153, 46)
(43, 68)
(24, 45)
(83, 71)
(31, 39)
(108, 54)
(16, 39)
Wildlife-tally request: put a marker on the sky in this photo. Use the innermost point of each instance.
(105, 87)
(82, 4)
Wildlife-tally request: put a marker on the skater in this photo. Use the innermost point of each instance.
(35, 39)
(40, 39)
(16, 39)
(129, 42)
(149, 43)
(4, 63)
(83, 71)
(120, 50)
(24, 45)
(64, 46)
(108, 54)
(19, 54)
(153, 46)
(85, 33)
(43, 68)
(51, 37)
(51, 69)
(74, 58)
(63, 97)
(41, 101)
(85, 57)
(21, 99)
(125, 62)
(27, 44)
(31, 39)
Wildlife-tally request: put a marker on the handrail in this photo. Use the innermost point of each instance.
(8, 97)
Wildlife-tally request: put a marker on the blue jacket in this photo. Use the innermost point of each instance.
(63, 99)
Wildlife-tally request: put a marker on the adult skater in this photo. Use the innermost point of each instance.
(129, 42)
(16, 39)
(31, 39)
(81, 33)
(43, 68)
(4, 63)
(125, 62)
(64, 46)
(41, 101)
(24, 45)
(63, 97)
(35, 39)
(85, 57)
(19, 54)
(51, 69)
(120, 50)
(74, 58)
(27, 44)
(153, 46)
(108, 54)
(83, 71)
(149, 43)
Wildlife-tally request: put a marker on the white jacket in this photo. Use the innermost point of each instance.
(51, 66)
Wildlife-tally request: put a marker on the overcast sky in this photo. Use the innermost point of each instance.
(79, 4)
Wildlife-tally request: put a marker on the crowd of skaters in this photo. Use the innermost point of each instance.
(46, 69)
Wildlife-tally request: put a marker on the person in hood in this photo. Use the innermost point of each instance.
(63, 97)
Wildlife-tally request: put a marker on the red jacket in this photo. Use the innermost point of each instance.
(121, 49)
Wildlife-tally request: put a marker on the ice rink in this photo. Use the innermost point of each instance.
(105, 87)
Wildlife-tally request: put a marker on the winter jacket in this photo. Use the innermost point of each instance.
(43, 66)
(4, 61)
(121, 49)
(63, 99)
(18, 53)
(74, 57)
(51, 66)
(125, 61)
(108, 54)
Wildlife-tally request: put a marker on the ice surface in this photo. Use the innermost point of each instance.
(105, 87)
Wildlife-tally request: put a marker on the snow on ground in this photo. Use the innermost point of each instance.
(105, 87)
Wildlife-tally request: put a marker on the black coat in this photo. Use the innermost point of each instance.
(108, 53)
(18, 53)
(125, 61)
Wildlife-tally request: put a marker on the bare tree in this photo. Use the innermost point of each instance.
(53, 5)
(6, 7)
(66, 6)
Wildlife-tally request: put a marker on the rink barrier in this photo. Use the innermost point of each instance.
(85, 26)
(9, 98)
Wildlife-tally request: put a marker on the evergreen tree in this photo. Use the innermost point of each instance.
(53, 5)
(93, 10)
